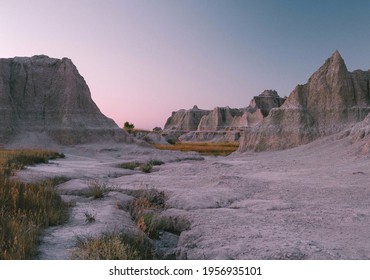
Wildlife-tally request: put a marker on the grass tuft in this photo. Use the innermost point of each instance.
(146, 167)
(97, 189)
(113, 246)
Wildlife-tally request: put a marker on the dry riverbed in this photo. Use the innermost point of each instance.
(310, 202)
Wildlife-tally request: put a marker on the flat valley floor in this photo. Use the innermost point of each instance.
(310, 202)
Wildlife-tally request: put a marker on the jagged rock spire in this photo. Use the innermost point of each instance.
(336, 61)
(333, 99)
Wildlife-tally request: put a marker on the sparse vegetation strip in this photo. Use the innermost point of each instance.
(12, 160)
(204, 148)
(145, 210)
(129, 165)
(25, 209)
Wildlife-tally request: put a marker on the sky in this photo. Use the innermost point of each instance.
(144, 59)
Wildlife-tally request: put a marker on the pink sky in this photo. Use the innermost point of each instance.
(144, 59)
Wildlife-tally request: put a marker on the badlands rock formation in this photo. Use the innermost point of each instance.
(266, 101)
(332, 100)
(221, 118)
(222, 123)
(46, 100)
(185, 120)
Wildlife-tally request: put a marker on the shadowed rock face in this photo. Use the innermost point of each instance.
(266, 101)
(47, 97)
(332, 100)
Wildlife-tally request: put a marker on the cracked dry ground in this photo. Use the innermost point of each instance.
(310, 202)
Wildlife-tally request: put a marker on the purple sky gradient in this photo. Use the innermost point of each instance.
(144, 59)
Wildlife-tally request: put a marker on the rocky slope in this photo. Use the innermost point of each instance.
(360, 134)
(332, 100)
(45, 100)
(221, 123)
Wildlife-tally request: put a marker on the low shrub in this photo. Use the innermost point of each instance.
(129, 165)
(146, 167)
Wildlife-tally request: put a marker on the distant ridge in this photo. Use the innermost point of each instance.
(221, 123)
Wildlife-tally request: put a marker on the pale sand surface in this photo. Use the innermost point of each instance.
(310, 202)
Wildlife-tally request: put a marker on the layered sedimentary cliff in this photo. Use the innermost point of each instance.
(185, 120)
(48, 100)
(332, 100)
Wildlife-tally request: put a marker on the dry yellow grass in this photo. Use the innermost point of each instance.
(26, 208)
(204, 148)
(11, 160)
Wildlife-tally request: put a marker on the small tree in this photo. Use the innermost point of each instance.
(129, 127)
